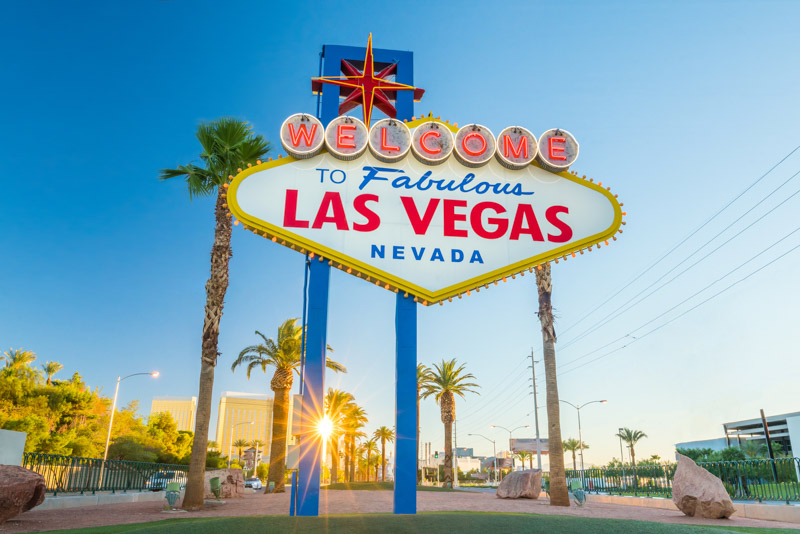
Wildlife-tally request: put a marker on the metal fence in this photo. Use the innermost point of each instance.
(761, 480)
(72, 474)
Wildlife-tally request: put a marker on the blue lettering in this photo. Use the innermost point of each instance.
(380, 252)
(372, 174)
(421, 252)
(397, 253)
(437, 255)
(476, 256)
(424, 183)
(456, 256)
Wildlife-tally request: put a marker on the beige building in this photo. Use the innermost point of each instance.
(182, 410)
(236, 413)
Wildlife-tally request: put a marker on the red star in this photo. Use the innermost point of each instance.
(367, 88)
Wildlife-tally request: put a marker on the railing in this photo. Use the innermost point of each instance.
(761, 480)
(72, 474)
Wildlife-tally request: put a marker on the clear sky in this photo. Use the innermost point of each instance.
(679, 106)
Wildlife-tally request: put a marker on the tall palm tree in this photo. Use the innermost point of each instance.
(446, 381)
(18, 362)
(355, 417)
(559, 495)
(227, 145)
(573, 445)
(240, 444)
(631, 438)
(51, 368)
(336, 405)
(370, 447)
(423, 380)
(284, 355)
(384, 434)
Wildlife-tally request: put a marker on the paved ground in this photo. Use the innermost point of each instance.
(348, 502)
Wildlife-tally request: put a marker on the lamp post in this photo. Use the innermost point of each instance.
(580, 436)
(509, 435)
(230, 443)
(494, 447)
(154, 374)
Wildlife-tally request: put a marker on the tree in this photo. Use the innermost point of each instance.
(336, 405)
(370, 447)
(631, 437)
(524, 455)
(240, 444)
(446, 381)
(384, 434)
(573, 445)
(423, 380)
(285, 356)
(559, 496)
(212, 445)
(227, 145)
(51, 368)
(355, 417)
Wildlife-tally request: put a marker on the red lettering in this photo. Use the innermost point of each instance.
(520, 150)
(423, 138)
(553, 149)
(290, 211)
(475, 219)
(525, 215)
(341, 137)
(373, 221)
(451, 217)
(474, 135)
(384, 145)
(303, 132)
(419, 224)
(552, 217)
(331, 200)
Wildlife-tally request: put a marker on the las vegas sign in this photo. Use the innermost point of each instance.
(425, 207)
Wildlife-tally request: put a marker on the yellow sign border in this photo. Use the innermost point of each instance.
(369, 272)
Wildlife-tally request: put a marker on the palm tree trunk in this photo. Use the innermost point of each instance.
(216, 287)
(346, 445)
(574, 464)
(277, 449)
(334, 458)
(559, 495)
(353, 458)
(448, 455)
(368, 457)
(633, 465)
(383, 461)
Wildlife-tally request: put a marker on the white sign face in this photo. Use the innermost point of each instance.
(433, 231)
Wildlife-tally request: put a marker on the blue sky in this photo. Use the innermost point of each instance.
(678, 106)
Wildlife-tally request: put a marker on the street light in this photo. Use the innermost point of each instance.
(509, 433)
(580, 437)
(154, 374)
(494, 446)
(230, 443)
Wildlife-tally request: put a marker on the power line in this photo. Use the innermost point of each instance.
(497, 388)
(684, 240)
(616, 312)
(715, 295)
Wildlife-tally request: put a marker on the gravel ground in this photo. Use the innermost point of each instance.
(349, 502)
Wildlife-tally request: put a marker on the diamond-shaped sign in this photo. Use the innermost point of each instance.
(432, 230)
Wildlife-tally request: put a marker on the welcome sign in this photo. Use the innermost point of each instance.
(392, 206)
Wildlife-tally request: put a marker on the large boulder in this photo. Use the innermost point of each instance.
(20, 490)
(698, 493)
(521, 484)
(231, 480)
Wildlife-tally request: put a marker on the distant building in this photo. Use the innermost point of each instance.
(237, 411)
(783, 429)
(182, 410)
(466, 452)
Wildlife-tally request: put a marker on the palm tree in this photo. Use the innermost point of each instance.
(423, 380)
(240, 444)
(227, 145)
(285, 356)
(384, 434)
(258, 445)
(51, 368)
(336, 405)
(18, 362)
(525, 455)
(446, 381)
(631, 437)
(355, 417)
(573, 445)
(371, 446)
(559, 496)
(212, 445)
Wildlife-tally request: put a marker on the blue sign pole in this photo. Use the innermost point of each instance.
(405, 443)
(308, 479)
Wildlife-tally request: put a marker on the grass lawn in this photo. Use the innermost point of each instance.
(379, 486)
(427, 523)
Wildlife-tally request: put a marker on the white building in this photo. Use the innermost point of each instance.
(783, 429)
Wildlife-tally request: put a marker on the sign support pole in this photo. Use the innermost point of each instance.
(405, 443)
(308, 480)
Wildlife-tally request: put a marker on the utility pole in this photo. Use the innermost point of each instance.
(536, 413)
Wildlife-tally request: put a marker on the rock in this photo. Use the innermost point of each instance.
(521, 484)
(231, 483)
(20, 490)
(698, 493)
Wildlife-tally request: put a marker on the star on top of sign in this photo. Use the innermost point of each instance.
(367, 88)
